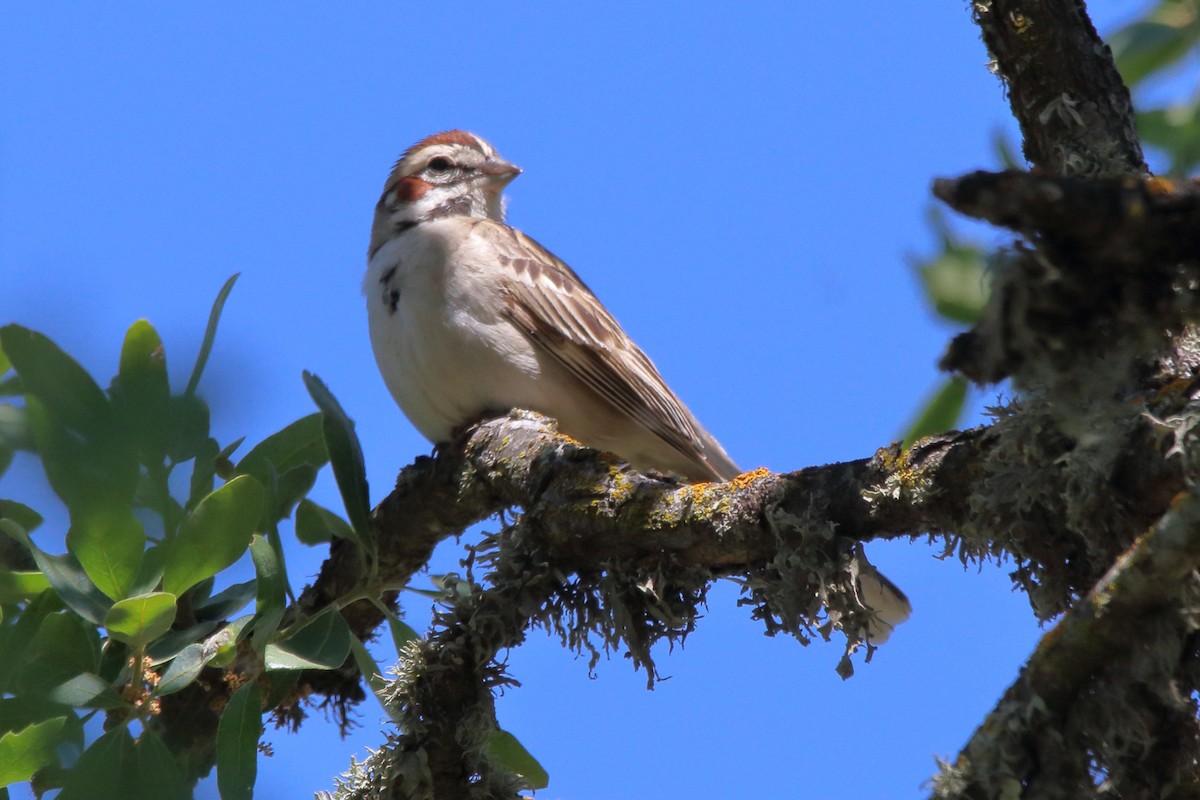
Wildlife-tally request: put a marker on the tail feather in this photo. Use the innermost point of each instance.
(888, 605)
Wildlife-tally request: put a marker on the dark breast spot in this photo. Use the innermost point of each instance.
(391, 295)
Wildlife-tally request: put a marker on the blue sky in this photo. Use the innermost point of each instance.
(739, 186)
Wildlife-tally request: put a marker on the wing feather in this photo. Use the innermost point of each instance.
(560, 314)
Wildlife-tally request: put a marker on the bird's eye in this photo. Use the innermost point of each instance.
(440, 164)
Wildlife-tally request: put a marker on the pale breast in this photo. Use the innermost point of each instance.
(446, 352)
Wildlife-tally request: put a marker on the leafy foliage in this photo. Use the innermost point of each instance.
(131, 612)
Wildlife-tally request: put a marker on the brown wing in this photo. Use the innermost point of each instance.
(562, 316)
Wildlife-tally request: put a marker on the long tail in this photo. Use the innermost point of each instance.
(887, 604)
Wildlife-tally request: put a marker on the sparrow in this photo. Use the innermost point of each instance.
(469, 316)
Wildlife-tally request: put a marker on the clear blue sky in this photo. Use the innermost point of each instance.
(740, 185)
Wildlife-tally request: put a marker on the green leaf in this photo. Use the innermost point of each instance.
(375, 680)
(189, 426)
(286, 462)
(66, 577)
(86, 690)
(316, 524)
(14, 433)
(14, 428)
(301, 443)
(183, 669)
(286, 491)
(1149, 45)
(16, 637)
(323, 643)
(402, 632)
(345, 454)
(21, 514)
(142, 392)
(108, 542)
(237, 743)
(271, 590)
(204, 469)
(55, 378)
(151, 571)
(214, 535)
(61, 649)
(141, 619)
(508, 753)
(24, 752)
(957, 282)
(158, 776)
(5, 366)
(941, 413)
(228, 450)
(87, 472)
(228, 601)
(18, 586)
(105, 771)
(276, 543)
(210, 334)
(1176, 131)
(17, 713)
(73, 586)
(270, 587)
(171, 644)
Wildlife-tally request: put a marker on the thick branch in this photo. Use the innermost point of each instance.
(1118, 224)
(1111, 278)
(1021, 741)
(580, 497)
(1075, 113)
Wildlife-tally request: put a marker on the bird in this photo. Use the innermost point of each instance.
(469, 316)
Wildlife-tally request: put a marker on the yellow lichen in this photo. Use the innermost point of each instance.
(1161, 186)
(748, 478)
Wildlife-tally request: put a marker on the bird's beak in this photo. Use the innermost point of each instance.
(499, 171)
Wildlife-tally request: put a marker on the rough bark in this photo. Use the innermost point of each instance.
(1075, 112)
(1084, 483)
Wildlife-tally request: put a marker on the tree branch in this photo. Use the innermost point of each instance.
(1111, 278)
(1063, 482)
(1129, 628)
(1075, 113)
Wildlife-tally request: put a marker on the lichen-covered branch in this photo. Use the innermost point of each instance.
(1075, 112)
(1103, 285)
(1113, 225)
(1089, 317)
(1119, 648)
(1006, 489)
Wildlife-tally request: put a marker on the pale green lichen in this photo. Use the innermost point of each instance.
(401, 767)
(1044, 492)
(904, 482)
(810, 588)
(619, 607)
